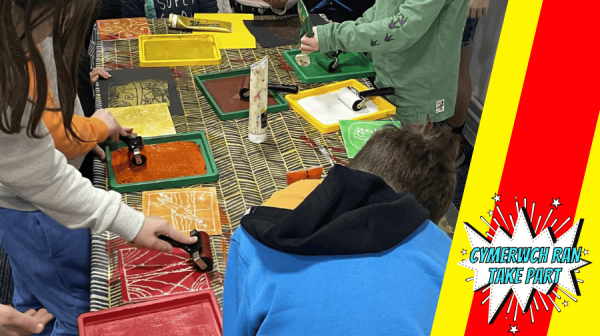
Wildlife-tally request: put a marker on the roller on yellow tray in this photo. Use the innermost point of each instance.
(325, 106)
(357, 100)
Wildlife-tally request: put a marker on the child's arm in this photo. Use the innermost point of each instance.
(389, 35)
(91, 130)
(38, 173)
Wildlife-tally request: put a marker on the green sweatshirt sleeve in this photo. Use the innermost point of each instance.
(393, 34)
(368, 16)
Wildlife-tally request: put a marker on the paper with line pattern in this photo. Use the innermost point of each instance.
(185, 209)
(123, 29)
(150, 274)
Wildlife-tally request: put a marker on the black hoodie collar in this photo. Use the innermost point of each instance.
(350, 212)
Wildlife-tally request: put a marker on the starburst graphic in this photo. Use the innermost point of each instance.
(464, 252)
(527, 266)
(496, 198)
(513, 329)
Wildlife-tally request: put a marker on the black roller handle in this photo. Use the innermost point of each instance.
(245, 92)
(190, 248)
(196, 250)
(388, 91)
(283, 88)
(335, 63)
(134, 143)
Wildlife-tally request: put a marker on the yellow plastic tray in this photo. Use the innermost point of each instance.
(384, 107)
(239, 38)
(178, 50)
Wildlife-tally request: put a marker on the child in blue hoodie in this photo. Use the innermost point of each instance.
(357, 253)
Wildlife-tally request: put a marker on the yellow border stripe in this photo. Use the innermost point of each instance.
(579, 317)
(487, 165)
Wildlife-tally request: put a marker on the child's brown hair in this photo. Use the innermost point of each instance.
(416, 160)
(70, 21)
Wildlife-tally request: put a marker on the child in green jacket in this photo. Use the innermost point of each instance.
(415, 48)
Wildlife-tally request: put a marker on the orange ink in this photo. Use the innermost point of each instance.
(164, 161)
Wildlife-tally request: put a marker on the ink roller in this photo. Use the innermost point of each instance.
(135, 145)
(331, 62)
(245, 88)
(199, 251)
(357, 100)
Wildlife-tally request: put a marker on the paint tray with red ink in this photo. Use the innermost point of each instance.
(193, 314)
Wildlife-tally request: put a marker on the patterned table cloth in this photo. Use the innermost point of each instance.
(249, 173)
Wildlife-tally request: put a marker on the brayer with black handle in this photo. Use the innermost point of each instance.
(199, 251)
(135, 145)
(245, 92)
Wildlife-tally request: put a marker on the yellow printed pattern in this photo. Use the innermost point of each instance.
(185, 209)
(146, 120)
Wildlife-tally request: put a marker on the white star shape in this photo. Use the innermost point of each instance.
(566, 303)
(463, 251)
(496, 197)
(490, 213)
(522, 237)
(513, 329)
(585, 252)
(556, 203)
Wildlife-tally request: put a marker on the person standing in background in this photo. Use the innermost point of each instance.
(159, 9)
(264, 7)
(414, 46)
(477, 9)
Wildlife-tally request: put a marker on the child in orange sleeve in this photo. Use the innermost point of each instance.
(91, 131)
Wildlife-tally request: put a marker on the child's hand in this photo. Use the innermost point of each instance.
(154, 227)
(15, 323)
(478, 8)
(310, 44)
(98, 151)
(97, 73)
(114, 129)
(277, 4)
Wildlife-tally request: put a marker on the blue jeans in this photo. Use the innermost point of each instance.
(50, 266)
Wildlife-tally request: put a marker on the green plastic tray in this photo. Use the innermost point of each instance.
(200, 79)
(212, 174)
(353, 65)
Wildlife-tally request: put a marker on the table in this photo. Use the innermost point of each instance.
(249, 173)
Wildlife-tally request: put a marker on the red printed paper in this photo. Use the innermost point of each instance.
(150, 274)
